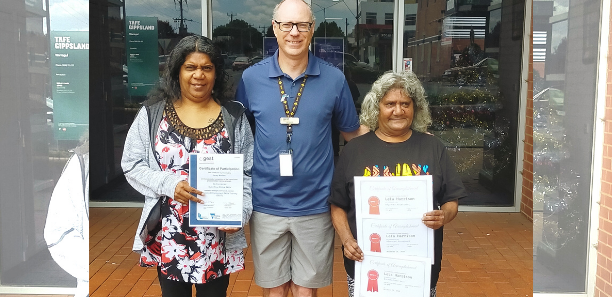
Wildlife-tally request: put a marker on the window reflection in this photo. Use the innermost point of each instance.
(455, 47)
(493, 29)
(35, 115)
(474, 103)
(564, 100)
(558, 49)
(172, 21)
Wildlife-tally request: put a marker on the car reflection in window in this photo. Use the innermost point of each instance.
(241, 63)
(548, 109)
(484, 72)
(550, 98)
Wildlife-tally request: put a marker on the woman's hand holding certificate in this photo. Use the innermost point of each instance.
(183, 193)
(437, 218)
(352, 250)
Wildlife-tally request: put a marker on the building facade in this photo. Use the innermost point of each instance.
(518, 105)
(33, 150)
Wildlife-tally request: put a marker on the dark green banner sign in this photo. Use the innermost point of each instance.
(142, 54)
(70, 83)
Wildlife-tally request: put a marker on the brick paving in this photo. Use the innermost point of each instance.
(485, 255)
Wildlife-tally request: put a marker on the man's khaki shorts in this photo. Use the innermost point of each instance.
(300, 249)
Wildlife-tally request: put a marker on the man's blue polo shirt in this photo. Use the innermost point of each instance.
(326, 97)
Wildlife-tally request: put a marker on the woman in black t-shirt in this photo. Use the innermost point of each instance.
(397, 114)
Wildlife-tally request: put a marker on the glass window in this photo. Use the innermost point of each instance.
(428, 49)
(240, 29)
(422, 50)
(472, 90)
(563, 105)
(493, 29)
(372, 45)
(342, 30)
(152, 31)
(45, 115)
(371, 17)
(410, 20)
(388, 18)
(558, 48)
(456, 52)
(560, 7)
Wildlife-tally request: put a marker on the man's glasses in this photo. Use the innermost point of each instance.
(288, 26)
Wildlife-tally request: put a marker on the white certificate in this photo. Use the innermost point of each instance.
(384, 276)
(393, 196)
(220, 178)
(388, 215)
(402, 237)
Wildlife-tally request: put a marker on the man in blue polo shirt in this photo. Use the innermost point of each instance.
(293, 98)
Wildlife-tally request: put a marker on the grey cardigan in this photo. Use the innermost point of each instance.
(143, 172)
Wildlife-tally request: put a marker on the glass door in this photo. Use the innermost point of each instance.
(564, 75)
(468, 56)
(41, 127)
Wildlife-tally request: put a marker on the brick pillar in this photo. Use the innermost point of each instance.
(603, 282)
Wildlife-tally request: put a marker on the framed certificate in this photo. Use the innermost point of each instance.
(220, 178)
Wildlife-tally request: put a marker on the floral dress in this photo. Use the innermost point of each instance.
(183, 253)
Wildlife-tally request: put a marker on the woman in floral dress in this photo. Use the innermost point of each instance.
(186, 114)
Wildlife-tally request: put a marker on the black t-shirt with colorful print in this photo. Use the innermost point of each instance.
(421, 154)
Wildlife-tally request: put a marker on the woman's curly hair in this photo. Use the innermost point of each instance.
(409, 84)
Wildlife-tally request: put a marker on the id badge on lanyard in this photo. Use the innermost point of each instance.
(286, 163)
(286, 156)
